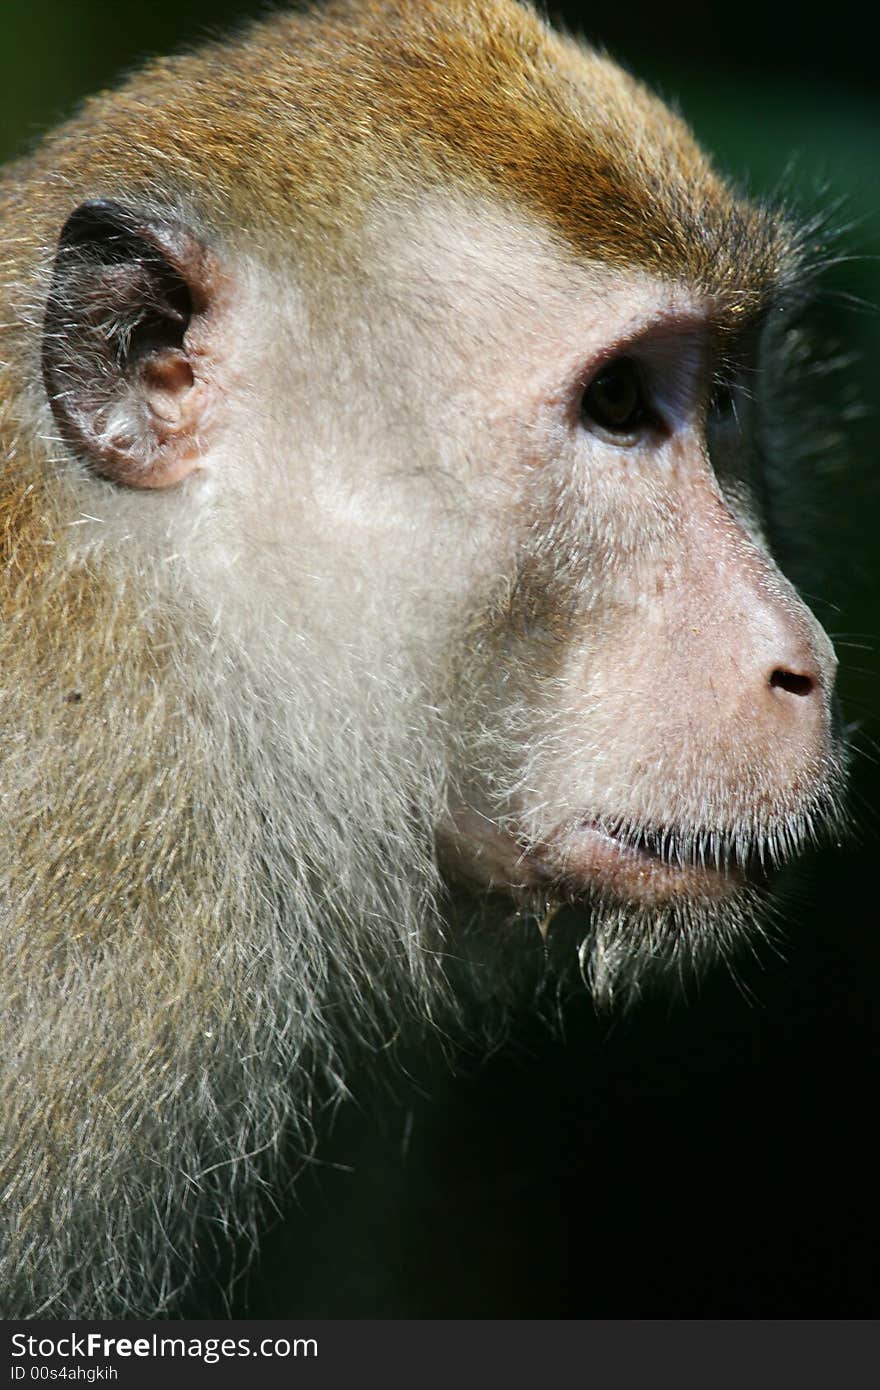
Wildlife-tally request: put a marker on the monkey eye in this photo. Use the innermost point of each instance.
(616, 400)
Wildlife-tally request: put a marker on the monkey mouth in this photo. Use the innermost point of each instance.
(617, 859)
(648, 866)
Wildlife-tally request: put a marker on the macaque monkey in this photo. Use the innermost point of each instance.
(385, 398)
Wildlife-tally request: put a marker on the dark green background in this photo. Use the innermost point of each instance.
(713, 1160)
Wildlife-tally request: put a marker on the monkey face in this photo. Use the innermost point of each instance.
(652, 702)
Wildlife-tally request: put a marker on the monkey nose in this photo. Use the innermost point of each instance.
(784, 662)
(801, 671)
(800, 683)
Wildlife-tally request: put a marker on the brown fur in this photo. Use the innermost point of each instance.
(357, 94)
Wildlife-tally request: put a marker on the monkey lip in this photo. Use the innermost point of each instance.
(586, 856)
(646, 867)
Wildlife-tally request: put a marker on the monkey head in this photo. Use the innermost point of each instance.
(531, 473)
(386, 399)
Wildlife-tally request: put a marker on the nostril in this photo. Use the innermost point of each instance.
(791, 681)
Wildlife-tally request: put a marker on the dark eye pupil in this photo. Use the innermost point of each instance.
(615, 399)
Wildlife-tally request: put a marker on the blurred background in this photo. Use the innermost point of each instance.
(717, 1158)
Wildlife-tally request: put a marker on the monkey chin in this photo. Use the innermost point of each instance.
(625, 913)
(640, 914)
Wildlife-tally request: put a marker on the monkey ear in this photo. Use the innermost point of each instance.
(124, 360)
